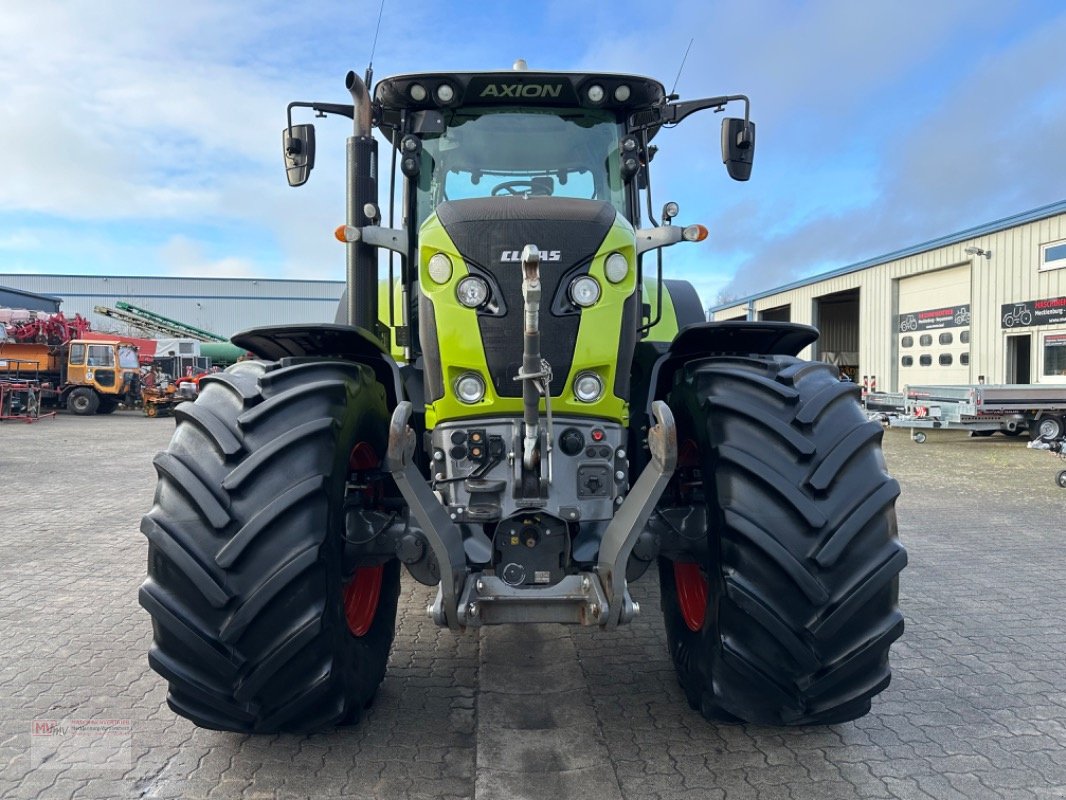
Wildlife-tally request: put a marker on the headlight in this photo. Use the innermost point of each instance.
(440, 268)
(445, 93)
(595, 93)
(616, 267)
(470, 388)
(621, 93)
(418, 92)
(584, 291)
(472, 291)
(588, 388)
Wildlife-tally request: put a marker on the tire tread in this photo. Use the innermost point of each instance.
(245, 576)
(804, 559)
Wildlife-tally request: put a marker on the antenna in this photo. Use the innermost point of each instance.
(373, 48)
(684, 58)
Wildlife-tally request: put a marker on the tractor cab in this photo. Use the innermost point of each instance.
(105, 366)
(511, 158)
(517, 134)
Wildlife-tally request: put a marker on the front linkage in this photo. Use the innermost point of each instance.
(596, 597)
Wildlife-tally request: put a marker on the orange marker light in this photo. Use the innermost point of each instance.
(339, 234)
(694, 233)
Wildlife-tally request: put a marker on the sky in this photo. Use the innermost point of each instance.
(144, 138)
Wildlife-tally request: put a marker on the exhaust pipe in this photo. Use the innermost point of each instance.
(362, 258)
(362, 118)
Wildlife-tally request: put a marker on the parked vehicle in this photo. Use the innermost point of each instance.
(88, 376)
(983, 409)
(538, 420)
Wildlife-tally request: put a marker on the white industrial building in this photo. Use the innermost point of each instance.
(985, 305)
(219, 305)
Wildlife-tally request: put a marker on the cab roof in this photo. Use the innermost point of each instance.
(622, 94)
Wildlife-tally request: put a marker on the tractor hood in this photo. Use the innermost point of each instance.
(490, 234)
(484, 237)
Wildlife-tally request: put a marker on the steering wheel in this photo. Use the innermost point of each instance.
(516, 188)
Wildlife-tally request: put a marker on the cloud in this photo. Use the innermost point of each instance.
(20, 241)
(183, 257)
(879, 123)
(134, 110)
(991, 147)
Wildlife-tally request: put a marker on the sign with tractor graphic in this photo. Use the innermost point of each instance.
(1048, 311)
(934, 319)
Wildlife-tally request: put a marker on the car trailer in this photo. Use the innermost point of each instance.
(983, 409)
(1056, 446)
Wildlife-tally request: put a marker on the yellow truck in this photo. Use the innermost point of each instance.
(87, 376)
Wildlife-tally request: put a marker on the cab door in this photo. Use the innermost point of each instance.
(75, 366)
(100, 367)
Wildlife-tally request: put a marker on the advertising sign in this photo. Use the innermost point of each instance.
(1049, 311)
(934, 319)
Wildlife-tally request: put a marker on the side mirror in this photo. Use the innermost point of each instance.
(298, 148)
(738, 147)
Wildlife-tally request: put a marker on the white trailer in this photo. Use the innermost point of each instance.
(983, 409)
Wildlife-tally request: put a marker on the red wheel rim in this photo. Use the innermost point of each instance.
(688, 454)
(361, 599)
(362, 457)
(691, 593)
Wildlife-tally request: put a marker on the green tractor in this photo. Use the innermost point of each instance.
(527, 416)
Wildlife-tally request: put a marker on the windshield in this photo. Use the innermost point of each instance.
(487, 152)
(127, 356)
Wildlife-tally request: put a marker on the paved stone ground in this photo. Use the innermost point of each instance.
(977, 707)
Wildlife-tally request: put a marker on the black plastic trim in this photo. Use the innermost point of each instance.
(725, 338)
(627, 341)
(433, 374)
(687, 306)
(743, 337)
(328, 340)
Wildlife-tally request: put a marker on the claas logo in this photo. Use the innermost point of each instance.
(545, 255)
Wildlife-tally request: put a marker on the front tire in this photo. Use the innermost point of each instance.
(247, 584)
(788, 617)
(83, 401)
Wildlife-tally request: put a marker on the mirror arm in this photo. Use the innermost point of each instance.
(673, 113)
(320, 109)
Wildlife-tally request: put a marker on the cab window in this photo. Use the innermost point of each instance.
(127, 357)
(77, 354)
(522, 152)
(101, 355)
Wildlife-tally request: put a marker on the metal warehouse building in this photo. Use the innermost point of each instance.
(985, 305)
(19, 298)
(220, 305)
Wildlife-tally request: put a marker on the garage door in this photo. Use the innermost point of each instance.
(934, 327)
